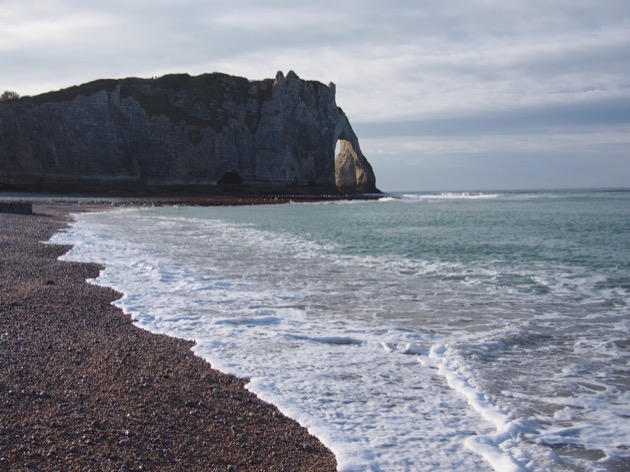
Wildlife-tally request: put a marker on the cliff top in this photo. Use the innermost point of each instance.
(210, 84)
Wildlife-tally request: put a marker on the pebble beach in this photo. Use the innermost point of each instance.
(83, 388)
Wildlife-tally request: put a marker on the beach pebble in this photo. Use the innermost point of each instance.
(76, 369)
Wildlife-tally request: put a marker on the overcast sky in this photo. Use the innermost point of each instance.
(445, 94)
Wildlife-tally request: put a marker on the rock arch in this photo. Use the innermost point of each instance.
(353, 173)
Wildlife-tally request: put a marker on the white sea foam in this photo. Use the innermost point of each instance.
(340, 383)
(497, 447)
(333, 339)
(446, 196)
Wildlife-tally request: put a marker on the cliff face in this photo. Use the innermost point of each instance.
(204, 133)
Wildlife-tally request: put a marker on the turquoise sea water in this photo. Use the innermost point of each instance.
(442, 331)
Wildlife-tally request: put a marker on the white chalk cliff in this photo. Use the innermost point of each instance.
(207, 133)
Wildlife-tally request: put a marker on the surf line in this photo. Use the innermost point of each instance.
(507, 429)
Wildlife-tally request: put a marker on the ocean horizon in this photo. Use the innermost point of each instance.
(451, 330)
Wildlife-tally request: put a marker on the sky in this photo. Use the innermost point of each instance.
(443, 95)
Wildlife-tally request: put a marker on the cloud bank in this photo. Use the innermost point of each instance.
(462, 94)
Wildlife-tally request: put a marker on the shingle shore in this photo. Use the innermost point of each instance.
(83, 388)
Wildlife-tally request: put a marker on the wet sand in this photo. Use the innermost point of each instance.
(83, 388)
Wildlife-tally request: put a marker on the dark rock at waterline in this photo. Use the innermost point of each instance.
(20, 208)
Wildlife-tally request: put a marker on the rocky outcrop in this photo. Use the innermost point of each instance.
(199, 134)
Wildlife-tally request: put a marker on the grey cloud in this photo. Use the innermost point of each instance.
(528, 120)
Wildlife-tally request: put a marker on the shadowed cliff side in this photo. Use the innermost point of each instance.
(207, 134)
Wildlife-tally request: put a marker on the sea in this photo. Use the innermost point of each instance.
(423, 331)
